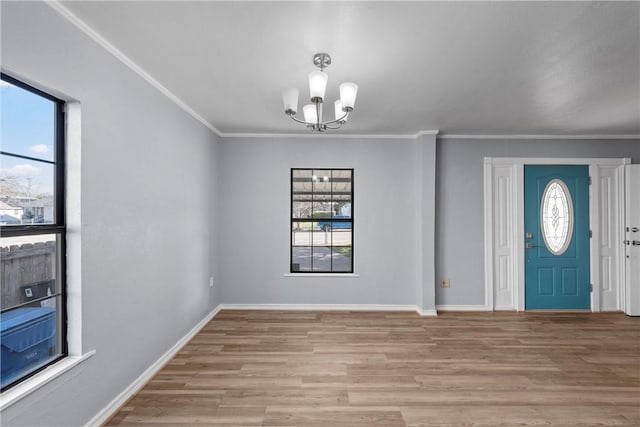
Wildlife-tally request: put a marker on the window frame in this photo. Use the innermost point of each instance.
(58, 227)
(292, 220)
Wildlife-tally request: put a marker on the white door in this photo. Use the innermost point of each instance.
(632, 240)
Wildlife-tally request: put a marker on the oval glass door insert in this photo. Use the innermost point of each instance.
(556, 216)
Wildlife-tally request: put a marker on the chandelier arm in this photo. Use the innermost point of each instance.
(318, 124)
(299, 121)
(346, 115)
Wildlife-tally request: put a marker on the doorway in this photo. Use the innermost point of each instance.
(505, 230)
(556, 222)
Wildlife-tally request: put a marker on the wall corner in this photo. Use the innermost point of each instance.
(427, 172)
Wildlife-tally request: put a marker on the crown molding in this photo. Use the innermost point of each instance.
(328, 135)
(118, 54)
(85, 28)
(533, 136)
(427, 132)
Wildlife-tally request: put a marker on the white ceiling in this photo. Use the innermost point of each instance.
(488, 68)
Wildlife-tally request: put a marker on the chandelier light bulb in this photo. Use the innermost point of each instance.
(310, 114)
(317, 85)
(290, 100)
(348, 92)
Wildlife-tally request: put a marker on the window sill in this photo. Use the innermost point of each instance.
(350, 275)
(27, 387)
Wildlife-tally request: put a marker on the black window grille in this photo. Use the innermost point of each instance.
(321, 220)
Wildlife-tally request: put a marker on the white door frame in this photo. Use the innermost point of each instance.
(631, 287)
(504, 184)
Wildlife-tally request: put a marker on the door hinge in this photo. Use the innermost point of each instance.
(590, 234)
(591, 287)
(589, 179)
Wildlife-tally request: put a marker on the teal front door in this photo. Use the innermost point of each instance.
(556, 223)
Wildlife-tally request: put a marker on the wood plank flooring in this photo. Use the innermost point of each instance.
(284, 368)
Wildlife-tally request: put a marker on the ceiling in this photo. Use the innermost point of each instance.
(472, 68)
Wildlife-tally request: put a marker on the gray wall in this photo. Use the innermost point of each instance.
(460, 208)
(148, 197)
(254, 223)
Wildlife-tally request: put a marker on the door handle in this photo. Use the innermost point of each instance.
(531, 245)
(635, 229)
(636, 243)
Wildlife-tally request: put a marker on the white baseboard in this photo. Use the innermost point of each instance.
(139, 382)
(427, 312)
(505, 308)
(447, 307)
(322, 307)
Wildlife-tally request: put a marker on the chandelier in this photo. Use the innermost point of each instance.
(317, 86)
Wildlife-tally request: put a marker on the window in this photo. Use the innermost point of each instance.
(32, 226)
(321, 220)
(556, 217)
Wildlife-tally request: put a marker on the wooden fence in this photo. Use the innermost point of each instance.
(25, 264)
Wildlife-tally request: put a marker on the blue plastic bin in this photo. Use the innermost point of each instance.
(26, 337)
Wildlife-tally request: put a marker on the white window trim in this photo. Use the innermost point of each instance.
(74, 227)
(353, 274)
(28, 386)
(74, 268)
(321, 275)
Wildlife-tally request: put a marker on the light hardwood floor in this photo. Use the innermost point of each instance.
(284, 368)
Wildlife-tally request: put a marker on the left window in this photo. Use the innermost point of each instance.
(32, 231)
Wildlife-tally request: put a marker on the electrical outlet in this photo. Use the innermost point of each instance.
(444, 283)
(211, 282)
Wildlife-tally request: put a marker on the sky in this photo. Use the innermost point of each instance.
(26, 128)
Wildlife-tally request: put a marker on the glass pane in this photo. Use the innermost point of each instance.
(27, 125)
(30, 320)
(302, 209)
(302, 173)
(301, 233)
(342, 242)
(322, 236)
(341, 258)
(29, 268)
(322, 207)
(341, 175)
(342, 209)
(341, 234)
(302, 184)
(327, 226)
(301, 258)
(341, 193)
(556, 216)
(26, 191)
(322, 258)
